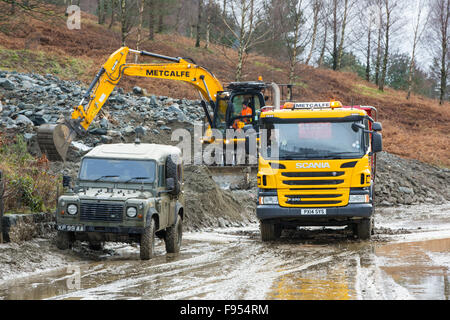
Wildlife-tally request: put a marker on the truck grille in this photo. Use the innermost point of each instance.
(101, 212)
(313, 174)
(312, 198)
(311, 182)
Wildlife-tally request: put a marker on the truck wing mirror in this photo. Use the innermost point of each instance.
(376, 126)
(377, 142)
(357, 126)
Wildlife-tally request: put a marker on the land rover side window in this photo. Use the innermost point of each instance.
(118, 170)
(315, 140)
(161, 177)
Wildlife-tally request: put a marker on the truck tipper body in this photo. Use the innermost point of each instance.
(317, 167)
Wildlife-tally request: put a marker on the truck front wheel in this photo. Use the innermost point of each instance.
(269, 231)
(173, 236)
(364, 228)
(148, 241)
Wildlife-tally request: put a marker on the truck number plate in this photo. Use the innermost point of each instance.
(68, 227)
(313, 211)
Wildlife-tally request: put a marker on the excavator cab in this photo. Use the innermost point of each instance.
(245, 103)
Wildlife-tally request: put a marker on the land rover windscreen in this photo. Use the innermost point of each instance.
(123, 171)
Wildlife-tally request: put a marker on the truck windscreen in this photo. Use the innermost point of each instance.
(315, 140)
(115, 170)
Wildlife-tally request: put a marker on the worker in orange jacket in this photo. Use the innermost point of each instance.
(246, 111)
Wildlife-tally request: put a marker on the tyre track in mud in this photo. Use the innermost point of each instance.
(233, 263)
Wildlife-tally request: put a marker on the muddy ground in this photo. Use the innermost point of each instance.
(408, 258)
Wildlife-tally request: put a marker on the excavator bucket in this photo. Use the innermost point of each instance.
(54, 140)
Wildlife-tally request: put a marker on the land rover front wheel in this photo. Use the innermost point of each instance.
(173, 236)
(64, 240)
(148, 241)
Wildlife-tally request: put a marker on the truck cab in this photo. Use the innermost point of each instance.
(317, 167)
(125, 193)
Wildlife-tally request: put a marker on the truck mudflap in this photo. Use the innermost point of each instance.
(357, 210)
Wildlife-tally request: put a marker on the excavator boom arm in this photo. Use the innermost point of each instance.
(54, 140)
(116, 67)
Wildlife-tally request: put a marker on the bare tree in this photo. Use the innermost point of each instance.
(139, 33)
(419, 25)
(151, 19)
(391, 7)
(199, 21)
(380, 18)
(347, 7)
(439, 38)
(317, 6)
(246, 20)
(208, 23)
(296, 20)
(325, 25)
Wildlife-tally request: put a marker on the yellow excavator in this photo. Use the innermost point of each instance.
(224, 111)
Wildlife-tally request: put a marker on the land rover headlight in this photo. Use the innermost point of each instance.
(268, 200)
(72, 209)
(358, 198)
(131, 212)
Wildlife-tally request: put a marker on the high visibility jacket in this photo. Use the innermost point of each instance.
(246, 111)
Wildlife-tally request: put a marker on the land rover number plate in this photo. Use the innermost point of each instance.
(68, 227)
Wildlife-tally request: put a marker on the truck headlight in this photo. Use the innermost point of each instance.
(358, 198)
(72, 209)
(268, 200)
(131, 212)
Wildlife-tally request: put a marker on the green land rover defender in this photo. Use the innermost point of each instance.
(124, 193)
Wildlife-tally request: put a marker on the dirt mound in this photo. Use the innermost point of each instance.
(207, 205)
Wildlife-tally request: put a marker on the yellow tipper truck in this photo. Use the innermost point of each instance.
(317, 167)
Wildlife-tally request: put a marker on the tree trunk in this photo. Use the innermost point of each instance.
(316, 11)
(444, 44)
(335, 50)
(386, 49)
(324, 46)
(113, 9)
(151, 20)
(123, 20)
(378, 60)
(341, 42)
(101, 11)
(208, 23)
(294, 52)
(368, 53)
(199, 21)
(139, 33)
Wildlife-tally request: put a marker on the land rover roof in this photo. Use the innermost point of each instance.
(147, 151)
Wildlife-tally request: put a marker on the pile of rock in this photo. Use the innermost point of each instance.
(30, 100)
(404, 181)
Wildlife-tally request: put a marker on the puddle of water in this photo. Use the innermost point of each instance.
(322, 282)
(421, 267)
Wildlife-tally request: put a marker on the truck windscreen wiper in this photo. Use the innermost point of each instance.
(103, 177)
